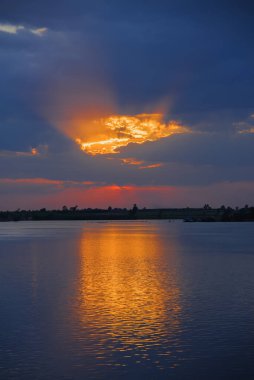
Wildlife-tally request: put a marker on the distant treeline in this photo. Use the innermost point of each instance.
(204, 214)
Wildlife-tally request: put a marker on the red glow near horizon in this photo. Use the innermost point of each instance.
(35, 193)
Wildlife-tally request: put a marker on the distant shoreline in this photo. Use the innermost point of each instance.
(205, 214)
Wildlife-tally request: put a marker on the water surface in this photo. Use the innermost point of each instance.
(132, 300)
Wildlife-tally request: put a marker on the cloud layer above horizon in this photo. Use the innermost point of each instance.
(67, 71)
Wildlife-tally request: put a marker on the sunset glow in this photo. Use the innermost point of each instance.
(113, 132)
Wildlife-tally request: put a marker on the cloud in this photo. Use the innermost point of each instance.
(38, 151)
(245, 126)
(248, 130)
(46, 181)
(122, 59)
(131, 161)
(14, 29)
(152, 166)
(11, 29)
(39, 31)
(107, 135)
(141, 164)
(218, 149)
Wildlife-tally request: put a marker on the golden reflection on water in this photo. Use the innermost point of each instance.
(129, 296)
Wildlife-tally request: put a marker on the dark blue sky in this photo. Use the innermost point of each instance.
(195, 58)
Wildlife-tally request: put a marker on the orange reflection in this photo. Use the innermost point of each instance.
(126, 298)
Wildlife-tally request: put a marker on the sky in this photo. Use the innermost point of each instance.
(109, 103)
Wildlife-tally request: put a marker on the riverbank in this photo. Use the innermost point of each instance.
(188, 214)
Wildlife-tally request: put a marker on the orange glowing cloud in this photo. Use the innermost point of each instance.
(87, 114)
(86, 110)
(107, 135)
(131, 161)
(152, 166)
(140, 163)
